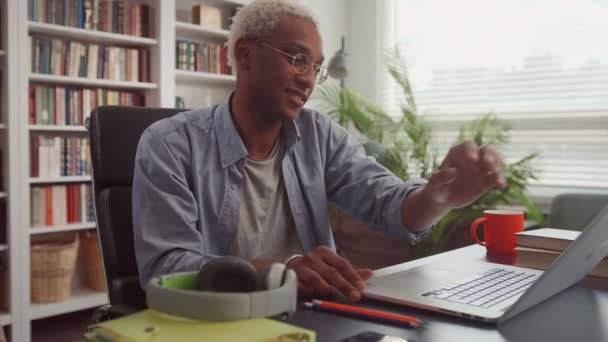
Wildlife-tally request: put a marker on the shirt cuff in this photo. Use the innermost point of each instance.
(394, 214)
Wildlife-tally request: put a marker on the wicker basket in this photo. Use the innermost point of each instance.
(92, 260)
(52, 268)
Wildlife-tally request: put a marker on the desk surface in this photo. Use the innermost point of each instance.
(577, 314)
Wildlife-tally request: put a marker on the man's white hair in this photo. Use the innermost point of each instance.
(259, 18)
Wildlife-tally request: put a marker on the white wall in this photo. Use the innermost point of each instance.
(357, 21)
(332, 21)
(362, 46)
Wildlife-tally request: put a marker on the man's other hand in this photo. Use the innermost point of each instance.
(321, 269)
(467, 172)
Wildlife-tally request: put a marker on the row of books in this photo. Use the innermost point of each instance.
(539, 248)
(55, 105)
(125, 17)
(61, 204)
(59, 156)
(75, 59)
(206, 57)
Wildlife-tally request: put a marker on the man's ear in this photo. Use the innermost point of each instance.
(242, 54)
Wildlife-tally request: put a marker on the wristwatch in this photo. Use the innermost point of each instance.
(292, 258)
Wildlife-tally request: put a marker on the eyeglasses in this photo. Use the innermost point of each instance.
(301, 64)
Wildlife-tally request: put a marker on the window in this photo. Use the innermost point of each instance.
(539, 65)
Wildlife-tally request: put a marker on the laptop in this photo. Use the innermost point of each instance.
(483, 291)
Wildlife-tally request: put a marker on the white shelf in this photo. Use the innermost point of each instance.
(2, 126)
(193, 31)
(229, 2)
(5, 319)
(57, 128)
(3, 247)
(89, 35)
(64, 179)
(61, 228)
(2, 53)
(58, 79)
(79, 300)
(204, 77)
(3, 195)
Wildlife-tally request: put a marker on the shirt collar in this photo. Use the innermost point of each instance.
(231, 145)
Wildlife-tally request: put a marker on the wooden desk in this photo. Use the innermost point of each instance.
(577, 314)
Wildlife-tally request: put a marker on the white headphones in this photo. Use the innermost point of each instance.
(226, 288)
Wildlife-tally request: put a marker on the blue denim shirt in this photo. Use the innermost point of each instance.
(188, 176)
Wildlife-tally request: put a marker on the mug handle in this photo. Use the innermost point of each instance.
(474, 227)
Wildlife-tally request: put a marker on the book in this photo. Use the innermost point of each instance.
(541, 259)
(547, 238)
(150, 325)
(207, 16)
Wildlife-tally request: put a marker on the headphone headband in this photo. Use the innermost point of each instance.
(176, 294)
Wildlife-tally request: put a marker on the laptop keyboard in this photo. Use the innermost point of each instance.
(486, 289)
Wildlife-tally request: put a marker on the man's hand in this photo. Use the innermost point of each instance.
(322, 268)
(466, 173)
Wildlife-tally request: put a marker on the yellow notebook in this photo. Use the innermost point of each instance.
(153, 326)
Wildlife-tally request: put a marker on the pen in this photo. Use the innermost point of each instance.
(365, 313)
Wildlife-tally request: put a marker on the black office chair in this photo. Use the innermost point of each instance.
(114, 133)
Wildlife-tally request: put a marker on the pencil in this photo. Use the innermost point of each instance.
(382, 316)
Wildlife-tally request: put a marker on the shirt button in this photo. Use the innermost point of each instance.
(298, 210)
(233, 186)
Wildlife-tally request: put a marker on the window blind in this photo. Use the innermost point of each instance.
(538, 65)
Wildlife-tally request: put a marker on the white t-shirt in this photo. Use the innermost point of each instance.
(265, 227)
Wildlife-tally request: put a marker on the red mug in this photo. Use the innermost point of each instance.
(499, 228)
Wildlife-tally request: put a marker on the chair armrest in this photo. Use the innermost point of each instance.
(108, 312)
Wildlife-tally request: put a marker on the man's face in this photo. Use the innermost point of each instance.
(279, 92)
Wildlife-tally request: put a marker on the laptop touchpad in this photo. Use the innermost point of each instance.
(418, 278)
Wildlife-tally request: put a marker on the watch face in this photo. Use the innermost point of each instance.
(370, 336)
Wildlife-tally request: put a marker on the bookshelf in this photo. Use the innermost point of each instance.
(60, 180)
(61, 228)
(83, 81)
(89, 35)
(129, 64)
(79, 300)
(200, 77)
(57, 128)
(199, 88)
(194, 32)
(172, 22)
(8, 246)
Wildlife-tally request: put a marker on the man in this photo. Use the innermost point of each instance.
(253, 177)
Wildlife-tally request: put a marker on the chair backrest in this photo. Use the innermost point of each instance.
(114, 134)
(575, 211)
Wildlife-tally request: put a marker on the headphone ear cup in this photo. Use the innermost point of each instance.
(273, 277)
(227, 274)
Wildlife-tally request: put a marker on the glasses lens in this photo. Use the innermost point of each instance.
(301, 63)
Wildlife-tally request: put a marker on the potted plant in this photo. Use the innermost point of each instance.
(404, 146)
